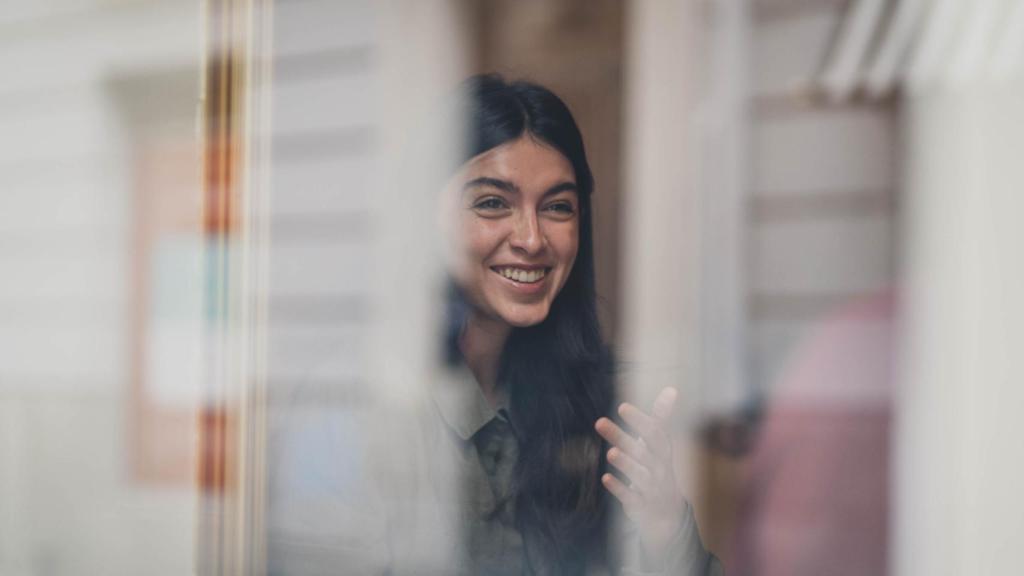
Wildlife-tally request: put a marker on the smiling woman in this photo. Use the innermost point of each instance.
(519, 230)
(522, 266)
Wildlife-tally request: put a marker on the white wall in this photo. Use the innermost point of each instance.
(68, 500)
(958, 467)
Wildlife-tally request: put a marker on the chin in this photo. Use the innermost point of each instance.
(523, 319)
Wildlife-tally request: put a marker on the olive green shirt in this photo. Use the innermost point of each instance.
(487, 450)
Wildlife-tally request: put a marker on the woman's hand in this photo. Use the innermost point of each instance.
(651, 498)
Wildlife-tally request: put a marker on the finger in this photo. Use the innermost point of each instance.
(630, 500)
(665, 403)
(638, 474)
(618, 437)
(648, 428)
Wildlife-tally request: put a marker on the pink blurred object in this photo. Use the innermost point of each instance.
(816, 499)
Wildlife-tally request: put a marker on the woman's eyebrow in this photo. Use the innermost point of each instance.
(562, 187)
(503, 185)
(506, 186)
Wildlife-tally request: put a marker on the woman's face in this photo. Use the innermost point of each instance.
(517, 224)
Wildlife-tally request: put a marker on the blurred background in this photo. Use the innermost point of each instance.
(805, 219)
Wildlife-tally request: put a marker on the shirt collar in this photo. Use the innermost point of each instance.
(461, 403)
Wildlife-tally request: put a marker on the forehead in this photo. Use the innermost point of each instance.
(525, 161)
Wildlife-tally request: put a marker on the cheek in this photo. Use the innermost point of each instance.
(478, 240)
(565, 242)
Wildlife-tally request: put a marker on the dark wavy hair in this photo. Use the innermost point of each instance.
(557, 373)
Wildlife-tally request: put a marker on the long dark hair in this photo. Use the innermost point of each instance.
(557, 373)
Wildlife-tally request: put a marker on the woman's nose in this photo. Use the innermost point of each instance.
(527, 235)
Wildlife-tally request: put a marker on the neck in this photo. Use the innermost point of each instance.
(481, 343)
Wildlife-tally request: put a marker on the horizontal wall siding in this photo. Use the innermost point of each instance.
(325, 150)
(322, 185)
(824, 150)
(823, 204)
(309, 27)
(325, 121)
(816, 255)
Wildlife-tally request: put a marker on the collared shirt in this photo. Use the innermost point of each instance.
(488, 448)
(485, 451)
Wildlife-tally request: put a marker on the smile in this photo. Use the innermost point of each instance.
(522, 275)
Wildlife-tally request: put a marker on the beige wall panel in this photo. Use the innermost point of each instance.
(75, 129)
(89, 48)
(86, 515)
(335, 101)
(824, 150)
(32, 275)
(823, 256)
(318, 269)
(319, 25)
(80, 358)
(322, 185)
(75, 211)
(329, 352)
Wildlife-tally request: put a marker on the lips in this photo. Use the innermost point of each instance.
(522, 275)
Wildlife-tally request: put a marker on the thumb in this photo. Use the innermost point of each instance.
(665, 403)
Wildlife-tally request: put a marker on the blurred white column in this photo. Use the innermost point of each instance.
(423, 58)
(684, 203)
(723, 167)
(661, 264)
(958, 469)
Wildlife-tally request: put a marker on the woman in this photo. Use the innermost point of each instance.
(525, 326)
(512, 466)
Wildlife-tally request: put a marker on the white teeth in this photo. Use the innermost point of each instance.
(520, 275)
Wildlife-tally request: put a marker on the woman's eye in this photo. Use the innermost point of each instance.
(490, 204)
(562, 208)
